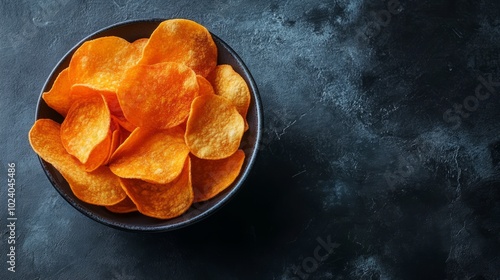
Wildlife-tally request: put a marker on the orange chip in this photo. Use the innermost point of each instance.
(124, 206)
(115, 142)
(210, 177)
(152, 156)
(214, 128)
(204, 85)
(101, 62)
(45, 139)
(80, 91)
(183, 41)
(86, 125)
(163, 201)
(124, 134)
(100, 187)
(58, 97)
(97, 187)
(140, 43)
(157, 96)
(99, 154)
(229, 84)
(124, 122)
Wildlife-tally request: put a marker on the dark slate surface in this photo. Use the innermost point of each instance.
(375, 142)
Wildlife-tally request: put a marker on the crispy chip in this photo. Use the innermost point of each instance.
(97, 187)
(115, 142)
(99, 154)
(205, 87)
(152, 156)
(210, 177)
(163, 201)
(157, 96)
(124, 206)
(214, 128)
(183, 41)
(45, 139)
(80, 91)
(86, 125)
(101, 62)
(100, 187)
(124, 134)
(229, 84)
(58, 97)
(124, 123)
(140, 43)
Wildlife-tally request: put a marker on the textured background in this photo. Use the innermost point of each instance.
(365, 144)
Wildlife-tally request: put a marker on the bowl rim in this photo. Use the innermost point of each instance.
(240, 181)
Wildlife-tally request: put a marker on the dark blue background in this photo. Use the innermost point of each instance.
(365, 144)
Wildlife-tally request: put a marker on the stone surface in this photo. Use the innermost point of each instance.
(365, 147)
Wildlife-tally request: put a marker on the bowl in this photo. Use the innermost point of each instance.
(132, 30)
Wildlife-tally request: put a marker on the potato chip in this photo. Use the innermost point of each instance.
(45, 139)
(124, 206)
(162, 201)
(157, 96)
(183, 41)
(140, 43)
(124, 134)
(214, 127)
(124, 122)
(80, 91)
(100, 187)
(99, 155)
(115, 142)
(101, 62)
(86, 125)
(205, 87)
(210, 177)
(58, 97)
(229, 84)
(152, 156)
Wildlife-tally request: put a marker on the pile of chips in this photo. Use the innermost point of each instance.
(151, 126)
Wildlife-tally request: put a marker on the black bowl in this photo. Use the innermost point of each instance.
(132, 30)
